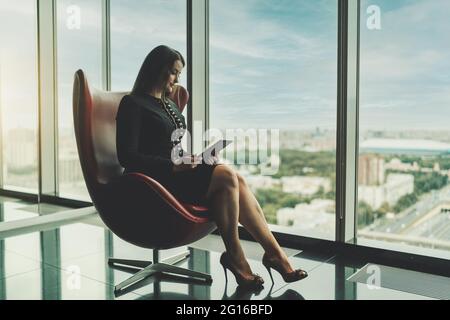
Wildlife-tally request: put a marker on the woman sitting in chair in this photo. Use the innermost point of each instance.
(146, 121)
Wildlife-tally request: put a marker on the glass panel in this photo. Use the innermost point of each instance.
(136, 28)
(404, 160)
(273, 68)
(79, 47)
(18, 95)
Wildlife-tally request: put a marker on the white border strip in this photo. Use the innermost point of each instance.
(47, 222)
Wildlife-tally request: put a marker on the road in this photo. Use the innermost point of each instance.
(404, 221)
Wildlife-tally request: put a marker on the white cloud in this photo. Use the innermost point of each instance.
(393, 63)
(149, 21)
(237, 30)
(14, 8)
(403, 67)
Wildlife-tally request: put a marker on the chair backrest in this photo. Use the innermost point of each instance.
(94, 114)
(95, 129)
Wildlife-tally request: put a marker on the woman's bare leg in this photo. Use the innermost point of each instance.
(252, 218)
(223, 197)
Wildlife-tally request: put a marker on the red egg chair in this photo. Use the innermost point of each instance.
(135, 207)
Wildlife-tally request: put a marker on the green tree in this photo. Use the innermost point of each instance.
(270, 212)
(365, 214)
(294, 161)
(384, 209)
(405, 202)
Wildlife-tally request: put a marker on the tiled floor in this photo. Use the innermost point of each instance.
(14, 209)
(71, 263)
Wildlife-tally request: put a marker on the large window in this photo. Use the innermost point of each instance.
(404, 160)
(18, 95)
(273, 90)
(136, 28)
(79, 46)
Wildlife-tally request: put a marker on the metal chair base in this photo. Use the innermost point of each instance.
(148, 269)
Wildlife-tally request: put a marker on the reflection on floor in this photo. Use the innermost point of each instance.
(71, 263)
(14, 209)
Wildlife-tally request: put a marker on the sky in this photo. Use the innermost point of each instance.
(18, 66)
(405, 66)
(273, 62)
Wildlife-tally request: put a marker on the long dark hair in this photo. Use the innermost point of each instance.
(156, 68)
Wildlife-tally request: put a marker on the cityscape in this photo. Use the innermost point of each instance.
(20, 171)
(403, 182)
(403, 188)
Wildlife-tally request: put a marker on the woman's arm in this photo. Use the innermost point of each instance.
(129, 124)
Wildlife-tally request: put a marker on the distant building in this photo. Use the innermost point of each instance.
(292, 140)
(371, 170)
(396, 186)
(321, 144)
(261, 182)
(437, 167)
(308, 140)
(69, 169)
(397, 165)
(319, 216)
(21, 149)
(305, 185)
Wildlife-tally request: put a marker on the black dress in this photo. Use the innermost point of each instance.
(144, 144)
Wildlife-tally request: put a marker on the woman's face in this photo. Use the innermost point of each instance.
(174, 75)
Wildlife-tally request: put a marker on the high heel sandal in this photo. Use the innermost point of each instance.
(256, 282)
(292, 276)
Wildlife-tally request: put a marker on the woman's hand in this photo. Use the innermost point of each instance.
(211, 160)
